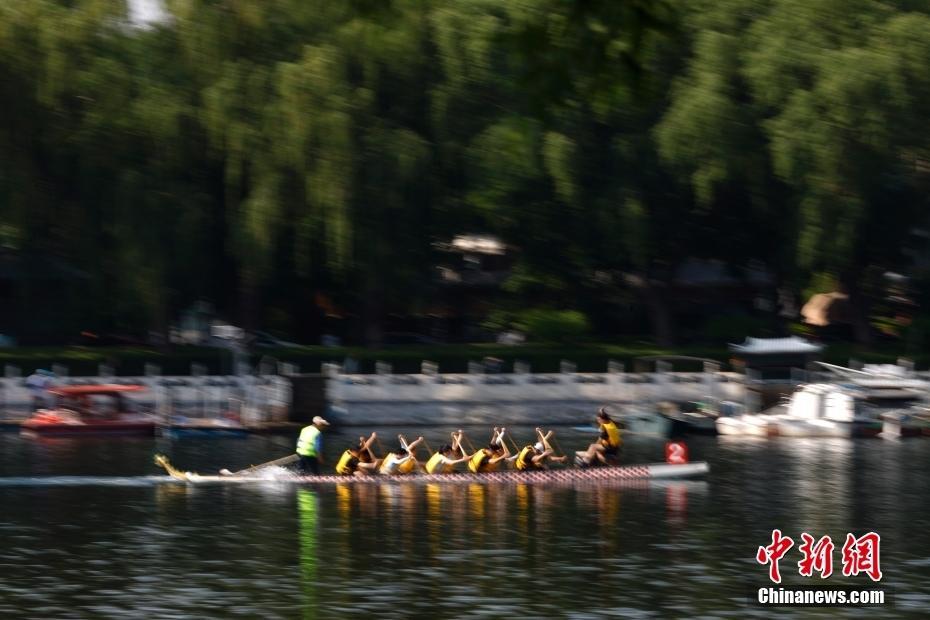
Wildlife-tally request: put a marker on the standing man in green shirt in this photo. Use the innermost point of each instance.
(310, 446)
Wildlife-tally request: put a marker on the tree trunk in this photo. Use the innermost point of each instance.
(660, 314)
(162, 323)
(859, 307)
(373, 303)
(248, 300)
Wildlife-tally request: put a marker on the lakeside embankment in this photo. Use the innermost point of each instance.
(590, 357)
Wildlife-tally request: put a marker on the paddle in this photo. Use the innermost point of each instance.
(429, 450)
(428, 447)
(513, 443)
(561, 453)
(286, 460)
(457, 443)
(471, 446)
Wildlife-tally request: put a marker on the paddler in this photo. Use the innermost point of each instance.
(533, 456)
(358, 459)
(401, 460)
(489, 459)
(310, 446)
(607, 447)
(444, 461)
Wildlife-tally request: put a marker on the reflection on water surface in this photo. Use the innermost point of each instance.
(467, 550)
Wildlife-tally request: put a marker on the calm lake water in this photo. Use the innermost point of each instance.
(137, 546)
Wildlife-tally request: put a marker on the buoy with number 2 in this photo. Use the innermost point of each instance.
(676, 453)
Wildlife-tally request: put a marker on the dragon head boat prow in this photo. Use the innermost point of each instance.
(162, 461)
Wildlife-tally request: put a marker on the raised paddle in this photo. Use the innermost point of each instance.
(429, 448)
(457, 443)
(513, 443)
(285, 460)
(471, 446)
(565, 461)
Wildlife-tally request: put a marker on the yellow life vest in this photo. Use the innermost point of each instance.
(480, 462)
(391, 460)
(435, 465)
(613, 439)
(525, 459)
(345, 466)
(307, 442)
(407, 467)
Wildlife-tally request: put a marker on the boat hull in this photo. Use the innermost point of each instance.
(692, 425)
(204, 431)
(140, 429)
(650, 423)
(651, 471)
(748, 425)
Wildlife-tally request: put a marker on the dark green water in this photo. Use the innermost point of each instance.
(138, 547)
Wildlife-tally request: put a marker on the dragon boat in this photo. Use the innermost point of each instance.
(642, 472)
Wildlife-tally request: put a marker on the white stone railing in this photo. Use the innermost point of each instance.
(429, 397)
(607, 387)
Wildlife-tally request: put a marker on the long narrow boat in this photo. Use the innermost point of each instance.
(648, 471)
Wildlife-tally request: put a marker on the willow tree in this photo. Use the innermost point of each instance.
(807, 111)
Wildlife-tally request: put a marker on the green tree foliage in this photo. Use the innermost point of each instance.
(262, 152)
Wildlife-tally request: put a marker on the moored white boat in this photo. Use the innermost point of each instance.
(785, 426)
(815, 410)
(888, 398)
(748, 424)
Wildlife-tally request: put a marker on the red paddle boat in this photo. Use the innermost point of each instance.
(90, 410)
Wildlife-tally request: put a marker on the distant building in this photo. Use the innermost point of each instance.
(194, 324)
(774, 358)
(469, 272)
(474, 261)
(749, 286)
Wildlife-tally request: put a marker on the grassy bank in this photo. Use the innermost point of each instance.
(591, 357)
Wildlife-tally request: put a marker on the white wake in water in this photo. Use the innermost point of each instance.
(275, 473)
(74, 481)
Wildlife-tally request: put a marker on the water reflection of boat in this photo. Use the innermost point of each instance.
(91, 410)
(646, 471)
